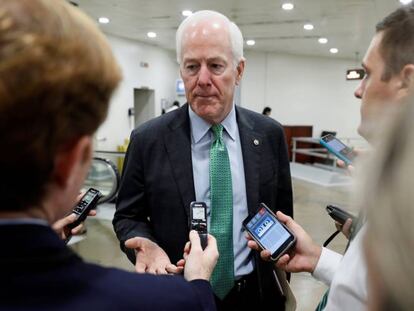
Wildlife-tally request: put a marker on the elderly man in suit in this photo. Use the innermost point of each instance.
(208, 150)
(57, 74)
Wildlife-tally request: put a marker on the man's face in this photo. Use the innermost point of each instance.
(208, 72)
(376, 95)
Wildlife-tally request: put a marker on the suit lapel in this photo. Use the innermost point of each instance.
(251, 143)
(178, 145)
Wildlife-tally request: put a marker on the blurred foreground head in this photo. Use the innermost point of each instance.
(57, 74)
(388, 194)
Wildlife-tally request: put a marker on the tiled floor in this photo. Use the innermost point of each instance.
(101, 245)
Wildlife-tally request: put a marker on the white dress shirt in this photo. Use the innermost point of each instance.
(345, 275)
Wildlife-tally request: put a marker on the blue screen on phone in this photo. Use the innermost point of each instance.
(268, 230)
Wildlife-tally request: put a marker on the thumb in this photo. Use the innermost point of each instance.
(134, 243)
(195, 241)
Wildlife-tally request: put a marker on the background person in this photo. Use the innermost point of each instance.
(57, 74)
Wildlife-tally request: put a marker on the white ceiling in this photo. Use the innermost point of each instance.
(348, 24)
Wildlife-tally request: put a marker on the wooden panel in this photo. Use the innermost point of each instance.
(298, 131)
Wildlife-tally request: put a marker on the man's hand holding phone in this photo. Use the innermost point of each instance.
(302, 258)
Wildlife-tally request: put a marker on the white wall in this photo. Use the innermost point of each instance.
(302, 91)
(160, 76)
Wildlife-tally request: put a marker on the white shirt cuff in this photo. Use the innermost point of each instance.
(327, 266)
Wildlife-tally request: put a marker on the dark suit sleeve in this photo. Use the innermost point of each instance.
(131, 216)
(284, 184)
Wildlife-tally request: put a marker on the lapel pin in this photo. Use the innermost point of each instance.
(256, 142)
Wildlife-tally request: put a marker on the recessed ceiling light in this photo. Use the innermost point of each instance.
(308, 27)
(103, 20)
(287, 6)
(187, 13)
(323, 40)
(334, 50)
(250, 42)
(151, 34)
(406, 1)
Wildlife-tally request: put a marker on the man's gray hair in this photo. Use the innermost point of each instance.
(236, 37)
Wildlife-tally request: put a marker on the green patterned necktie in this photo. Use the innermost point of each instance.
(221, 222)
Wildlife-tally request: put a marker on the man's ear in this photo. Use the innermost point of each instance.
(71, 159)
(407, 77)
(240, 70)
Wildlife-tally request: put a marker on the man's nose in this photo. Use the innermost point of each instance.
(358, 91)
(204, 76)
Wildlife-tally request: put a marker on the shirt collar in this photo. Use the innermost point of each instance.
(200, 127)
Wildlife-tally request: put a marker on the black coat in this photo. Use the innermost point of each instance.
(38, 272)
(157, 185)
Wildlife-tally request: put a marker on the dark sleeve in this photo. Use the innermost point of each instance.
(131, 215)
(204, 293)
(284, 184)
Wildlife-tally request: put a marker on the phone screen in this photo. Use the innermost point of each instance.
(268, 231)
(336, 146)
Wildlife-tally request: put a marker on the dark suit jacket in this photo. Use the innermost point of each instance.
(157, 184)
(38, 272)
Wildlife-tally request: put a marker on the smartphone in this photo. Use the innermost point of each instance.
(86, 203)
(339, 214)
(269, 232)
(338, 148)
(198, 221)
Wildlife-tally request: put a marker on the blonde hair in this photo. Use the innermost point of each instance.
(57, 74)
(388, 196)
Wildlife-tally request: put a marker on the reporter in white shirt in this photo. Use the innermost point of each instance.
(389, 67)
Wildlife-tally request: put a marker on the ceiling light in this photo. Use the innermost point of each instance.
(103, 20)
(287, 6)
(323, 40)
(187, 13)
(151, 34)
(406, 1)
(250, 42)
(334, 50)
(308, 27)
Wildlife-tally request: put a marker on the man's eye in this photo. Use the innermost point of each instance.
(217, 68)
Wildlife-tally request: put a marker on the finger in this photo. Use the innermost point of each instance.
(92, 212)
(248, 236)
(338, 226)
(187, 247)
(77, 229)
(140, 267)
(180, 263)
(284, 218)
(151, 271)
(58, 225)
(341, 163)
(133, 243)
(253, 245)
(283, 262)
(265, 254)
(211, 245)
(161, 271)
(172, 269)
(195, 241)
